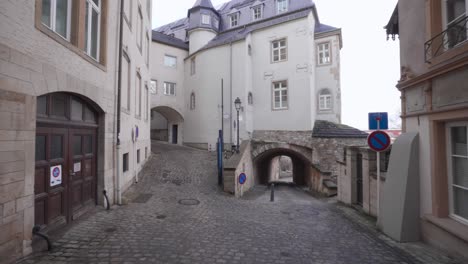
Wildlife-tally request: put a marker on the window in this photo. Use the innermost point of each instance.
(139, 34)
(257, 12)
(170, 61)
(192, 66)
(250, 98)
(169, 88)
(138, 95)
(154, 86)
(234, 18)
(455, 13)
(458, 171)
(325, 102)
(147, 49)
(192, 101)
(93, 28)
(125, 86)
(281, 6)
(206, 19)
(280, 95)
(125, 162)
(216, 23)
(323, 51)
(146, 109)
(138, 156)
(278, 50)
(56, 15)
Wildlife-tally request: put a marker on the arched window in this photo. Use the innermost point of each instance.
(192, 101)
(325, 100)
(250, 98)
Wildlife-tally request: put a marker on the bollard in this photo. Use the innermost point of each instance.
(272, 195)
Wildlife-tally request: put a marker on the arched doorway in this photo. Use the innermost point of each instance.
(166, 125)
(283, 165)
(66, 158)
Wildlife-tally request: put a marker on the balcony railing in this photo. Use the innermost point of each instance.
(453, 36)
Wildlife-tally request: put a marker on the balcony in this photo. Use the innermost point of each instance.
(453, 36)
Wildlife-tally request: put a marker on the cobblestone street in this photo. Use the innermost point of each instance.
(177, 214)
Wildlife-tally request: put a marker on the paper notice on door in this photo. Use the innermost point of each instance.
(55, 175)
(77, 167)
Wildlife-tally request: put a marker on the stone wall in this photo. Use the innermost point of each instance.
(301, 138)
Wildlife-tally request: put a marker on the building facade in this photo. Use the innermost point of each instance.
(60, 112)
(434, 88)
(274, 55)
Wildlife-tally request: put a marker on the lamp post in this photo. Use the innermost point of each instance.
(238, 104)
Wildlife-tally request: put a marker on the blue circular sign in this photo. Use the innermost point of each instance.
(242, 178)
(379, 141)
(56, 172)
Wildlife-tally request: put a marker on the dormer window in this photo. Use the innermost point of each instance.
(234, 19)
(206, 19)
(257, 12)
(281, 6)
(216, 23)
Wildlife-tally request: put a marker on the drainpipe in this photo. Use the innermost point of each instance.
(119, 99)
(230, 91)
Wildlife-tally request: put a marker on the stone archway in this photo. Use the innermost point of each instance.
(167, 124)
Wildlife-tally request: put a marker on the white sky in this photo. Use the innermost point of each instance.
(369, 63)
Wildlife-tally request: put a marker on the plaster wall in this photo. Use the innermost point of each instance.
(328, 77)
(199, 38)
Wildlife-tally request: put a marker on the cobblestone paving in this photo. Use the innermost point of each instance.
(177, 214)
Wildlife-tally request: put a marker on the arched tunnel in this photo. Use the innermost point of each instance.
(266, 170)
(166, 124)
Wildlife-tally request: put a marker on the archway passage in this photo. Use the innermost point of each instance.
(166, 125)
(66, 158)
(282, 165)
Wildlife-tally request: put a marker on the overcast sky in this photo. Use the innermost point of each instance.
(369, 63)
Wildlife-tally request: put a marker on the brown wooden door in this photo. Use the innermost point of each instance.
(50, 185)
(82, 170)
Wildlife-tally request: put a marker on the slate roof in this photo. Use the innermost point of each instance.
(168, 40)
(326, 129)
(203, 3)
(322, 28)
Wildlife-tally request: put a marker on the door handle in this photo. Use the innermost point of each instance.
(72, 173)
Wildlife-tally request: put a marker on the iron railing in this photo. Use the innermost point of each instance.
(453, 36)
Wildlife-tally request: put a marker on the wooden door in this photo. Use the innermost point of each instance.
(359, 180)
(82, 170)
(50, 185)
(175, 133)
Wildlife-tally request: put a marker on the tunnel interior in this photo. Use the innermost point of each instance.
(166, 124)
(282, 165)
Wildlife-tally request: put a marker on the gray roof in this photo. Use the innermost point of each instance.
(322, 28)
(168, 40)
(326, 129)
(203, 3)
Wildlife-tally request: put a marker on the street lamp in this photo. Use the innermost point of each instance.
(238, 104)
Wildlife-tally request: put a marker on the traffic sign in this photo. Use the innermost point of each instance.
(242, 178)
(378, 121)
(379, 141)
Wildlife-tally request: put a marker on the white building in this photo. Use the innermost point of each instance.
(274, 55)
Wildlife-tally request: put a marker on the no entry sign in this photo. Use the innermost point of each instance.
(378, 141)
(242, 178)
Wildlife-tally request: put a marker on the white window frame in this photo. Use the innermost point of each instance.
(281, 90)
(446, 23)
(450, 171)
(139, 29)
(168, 90)
(322, 49)
(53, 18)
(206, 19)
(147, 50)
(146, 108)
(256, 8)
(92, 6)
(325, 100)
(129, 83)
(279, 49)
(234, 19)
(138, 84)
(193, 66)
(171, 57)
(154, 86)
(128, 16)
(282, 6)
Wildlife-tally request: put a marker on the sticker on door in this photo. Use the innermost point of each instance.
(55, 175)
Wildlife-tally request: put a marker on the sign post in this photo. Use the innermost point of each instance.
(378, 141)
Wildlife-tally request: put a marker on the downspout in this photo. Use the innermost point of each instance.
(119, 99)
(230, 91)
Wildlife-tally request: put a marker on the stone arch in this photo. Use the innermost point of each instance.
(264, 154)
(167, 124)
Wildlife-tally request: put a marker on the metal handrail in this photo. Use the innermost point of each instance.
(446, 40)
